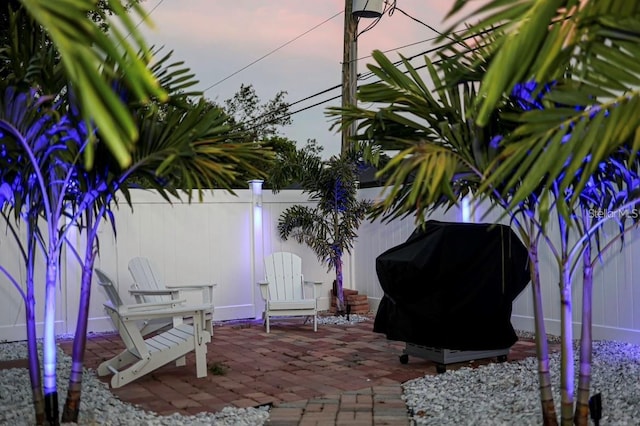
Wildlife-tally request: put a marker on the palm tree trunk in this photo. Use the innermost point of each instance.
(566, 355)
(581, 417)
(72, 403)
(549, 416)
(49, 343)
(339, 290)
(34, 360)
(32, 344)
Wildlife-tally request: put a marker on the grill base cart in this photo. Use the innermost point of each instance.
(442, 357)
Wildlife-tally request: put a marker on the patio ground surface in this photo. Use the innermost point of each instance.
(341, 375)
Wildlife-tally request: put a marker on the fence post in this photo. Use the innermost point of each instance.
(257, 243)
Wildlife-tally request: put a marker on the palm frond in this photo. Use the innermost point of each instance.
(442, 153)
(564, 146)
(83, 46)
(191, 149)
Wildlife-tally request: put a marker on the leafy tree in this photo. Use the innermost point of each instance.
(253, 121)
(256, 120)
(291, 164)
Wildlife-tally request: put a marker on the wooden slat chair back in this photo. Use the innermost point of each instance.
(148, 285)
(105, 282)
(114, 298)
(146, 277)
(284, 289)
(283, 271)
(146, 327)
(142, 356)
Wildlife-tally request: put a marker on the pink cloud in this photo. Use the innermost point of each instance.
(252, 28)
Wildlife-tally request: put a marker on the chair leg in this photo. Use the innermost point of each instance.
(201, 360)
(315, 323)
(267, 323)
(123, 358)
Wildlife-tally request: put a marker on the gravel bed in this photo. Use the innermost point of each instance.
(342, 320)
(507, 394)
(98, 405)
(492, 395)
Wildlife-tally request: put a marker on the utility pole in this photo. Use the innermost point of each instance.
(349, 69)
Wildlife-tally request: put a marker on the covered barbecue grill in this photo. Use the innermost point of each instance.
(449, 289)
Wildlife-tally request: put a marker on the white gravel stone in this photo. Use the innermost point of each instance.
(98, 405)
(342, 319)
(507, 393)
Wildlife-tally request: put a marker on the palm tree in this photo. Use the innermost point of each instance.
(563, 140)
(37, 143)
(588, 52)
(330, 227)
(185, 146)
(19, 203)
(612, 190)
(201, 156)
(443, 157)
(189, 147)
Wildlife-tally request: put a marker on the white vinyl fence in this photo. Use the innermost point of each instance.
(224, 238)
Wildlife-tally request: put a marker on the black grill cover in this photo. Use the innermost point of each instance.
(452, 286)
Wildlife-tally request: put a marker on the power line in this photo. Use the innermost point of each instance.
(420, 22)
(143, 19)
(314, 105)
(454, 41)
(407, 45)
(272, 51)
(389, 7)
(360, 77)
(289, 114)
(150, 12)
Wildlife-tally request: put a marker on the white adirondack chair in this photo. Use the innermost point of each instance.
(145, 326)
(284, 289)
(143, 356)
(148, 286)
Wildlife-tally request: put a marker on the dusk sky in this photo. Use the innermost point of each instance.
(216, 39)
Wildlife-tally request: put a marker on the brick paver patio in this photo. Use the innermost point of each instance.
(345, 375)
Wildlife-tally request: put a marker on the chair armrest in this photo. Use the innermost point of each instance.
(316, 285)
(146, 307)
(133, 313)
(264, 289)
(206, 290)
(135, 292)
(191, 286)
(178, 291)
(152, 305)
